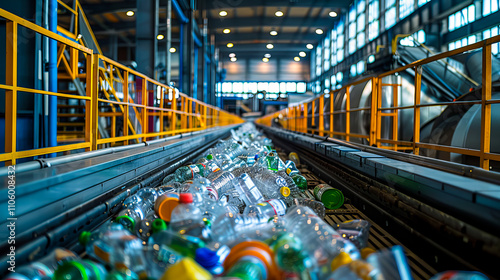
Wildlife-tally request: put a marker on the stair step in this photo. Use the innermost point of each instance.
(70, 124)
(68, 115)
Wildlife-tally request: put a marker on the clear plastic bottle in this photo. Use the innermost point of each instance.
(164, 241)
(188, 172)
(295, 158)
(357, 231)
(187, 218)
(116, 247)
(130, 217)
(294, 190)
(270, 208)
(314, 239)
(247, 190)
(316, 206)
(143, 229)
(291, 169)
(80, 270)
(222, 182)
(229, 228)
(390, 263)
(271, 185)
(43, 269)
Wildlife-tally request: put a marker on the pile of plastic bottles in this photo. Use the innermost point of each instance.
(238, 212)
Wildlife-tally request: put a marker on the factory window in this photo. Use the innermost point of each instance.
(422, 2)
(273, 87)
(352, 29)
(360, 24)
(326, 53)
(410, 41)
(327, 84)
(318, 60)
(252, 87)
(340, 41)
(227, 87)
(461, 18)
(219, 88)
(463, 42)
(301, 87)
(490, 6)
(262, 86)
(238, 87)
(333, 47)
(406, 7)
(373, 23)
(390, 13)
(352, 71)
(283, 87)
(333, 81)
(360, 67)
(491, 33)
(318, 87)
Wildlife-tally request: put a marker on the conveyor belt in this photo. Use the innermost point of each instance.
(378, 239)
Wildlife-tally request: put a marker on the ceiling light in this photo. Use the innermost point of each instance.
(278, 13)
(233, 59)
(230, 45)
(130, 13)
(319, 31)
(273, 33)
(222, 13)
(265, 59)
(302, 54)
(172, 50)
(310, 46)
(296, 58)
(332, 14)
(269, 46)
(160, 37)
(232, 55)
(226, 31)
(268, 55)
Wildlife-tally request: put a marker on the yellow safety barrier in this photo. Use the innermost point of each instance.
(297, 118)
(150, 100)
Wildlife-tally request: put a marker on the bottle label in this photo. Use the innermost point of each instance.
(320, 189)
(251, 187)
(281, 182)
(278, 206)
(194, 169)
(212, 193)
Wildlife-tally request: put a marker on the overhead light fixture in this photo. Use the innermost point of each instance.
(310, 46)
(273, 33)
(233, 59)
(222, 13)
(160, 37)
(230, 45)
(232, 55)
(265, 59)
(319, 31)
(332, 14)
(278, 13)
(268, 55)
(296, 58)
(130, 13)
(172, 50)
(269, 46)
(226, 31)
(302, 54)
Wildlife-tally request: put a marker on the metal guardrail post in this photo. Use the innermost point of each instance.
(484, 162)
(94, 92)
(11, 94)
(416, 110)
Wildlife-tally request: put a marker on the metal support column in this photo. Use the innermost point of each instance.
(52, 76)
(147, 29)
(168, 56)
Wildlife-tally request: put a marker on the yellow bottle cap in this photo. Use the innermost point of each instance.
(340, 260)
(186, 269)
(285, 191)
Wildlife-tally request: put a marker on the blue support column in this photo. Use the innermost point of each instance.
(195, 76)
(52, 76)
(181, 55)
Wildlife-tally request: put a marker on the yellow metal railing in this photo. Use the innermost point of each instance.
(297, 118)
(124, 89)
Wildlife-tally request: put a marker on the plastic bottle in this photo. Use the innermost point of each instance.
(165, 204)
(251, 260)
(331, 197)
(143, 229)
(357, 231)
(247, 190)
(353, 270)
(209, 260)
(188, 172)
(459, 275)
(230, 227)
(270, 208)
(294, 157)
(309, 236)
(44, 268)
(316, 206)
(122, 275)
(221, 182)
(271, 185)
(300, 181)
(390, 264)
(116, 247)
(187, 218)
(166, 240)
(294, 190)
(80, 270)
(272, 161)
(291, 169)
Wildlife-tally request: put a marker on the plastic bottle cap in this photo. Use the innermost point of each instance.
(186, 269)
(158, 225)
(84, 237)
(206, 257)
(210, 156)
(165, 204)
(285, 191)
(340, 260)
(126, 221)
(186, 198)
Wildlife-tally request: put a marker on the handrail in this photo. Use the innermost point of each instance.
(297, 118)
(155, 102)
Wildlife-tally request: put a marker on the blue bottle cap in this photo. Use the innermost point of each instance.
(206, 257)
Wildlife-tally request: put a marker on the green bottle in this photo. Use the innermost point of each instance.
(272, 161)
(248, 268)
(300, 181)
(290, 254)
(80, 270)
(331, 197)
(122, 275)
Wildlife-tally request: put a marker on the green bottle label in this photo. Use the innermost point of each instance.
(320, 189)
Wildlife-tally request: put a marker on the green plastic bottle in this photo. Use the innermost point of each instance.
(272, 161)
(300, 181)
(331, 197)
(188, 172)
(80, 270)
(248, 268)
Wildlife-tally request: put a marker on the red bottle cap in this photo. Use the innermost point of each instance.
(186, 198)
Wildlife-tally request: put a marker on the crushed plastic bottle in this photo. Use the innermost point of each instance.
(316, 206)
(357, 231)
(187, 218)
(270, 208)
